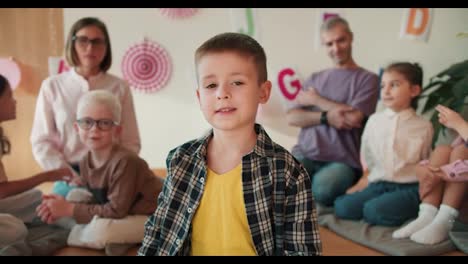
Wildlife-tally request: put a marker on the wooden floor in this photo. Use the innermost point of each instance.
(334, 245)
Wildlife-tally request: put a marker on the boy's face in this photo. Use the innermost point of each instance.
(94, 136)
(228, 90)
(397, 92)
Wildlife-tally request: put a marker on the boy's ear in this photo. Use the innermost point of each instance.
(265, 91)
(415, 90)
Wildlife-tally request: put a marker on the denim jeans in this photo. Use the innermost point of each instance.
(329, 179)
(381, 203)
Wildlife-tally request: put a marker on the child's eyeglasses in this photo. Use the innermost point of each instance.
(84, 41)
(103, 124)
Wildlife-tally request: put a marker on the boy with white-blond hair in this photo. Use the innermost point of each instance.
(122, 188)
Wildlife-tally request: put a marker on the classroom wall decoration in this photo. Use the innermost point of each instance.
(57, 65)
(147, 66)
(416, 23)
(178, 13)
(11, 71)
(288, 85)
(245, 21)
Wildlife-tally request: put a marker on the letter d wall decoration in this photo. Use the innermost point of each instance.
(416, 23)
(244, 20)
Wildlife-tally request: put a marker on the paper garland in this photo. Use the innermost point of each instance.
(147, 66)
(11, 71)
(178, 13)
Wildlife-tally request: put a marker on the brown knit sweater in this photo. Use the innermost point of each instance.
(124, 185)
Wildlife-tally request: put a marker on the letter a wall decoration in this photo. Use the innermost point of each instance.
(57, 65)
(416, 23)
(244, 20)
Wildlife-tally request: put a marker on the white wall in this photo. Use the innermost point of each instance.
(171, 116)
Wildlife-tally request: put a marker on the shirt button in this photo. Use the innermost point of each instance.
(189, 210)
(202, 180)
(177, 241)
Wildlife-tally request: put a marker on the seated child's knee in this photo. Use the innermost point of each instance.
(322, 196)
(371, 214)
(374, 215)
(345, 210)
(12, 229)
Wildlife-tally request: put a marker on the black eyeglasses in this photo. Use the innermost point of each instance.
(103, 124)
(84, 41)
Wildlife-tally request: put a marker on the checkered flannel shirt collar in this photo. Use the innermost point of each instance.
(263, 148)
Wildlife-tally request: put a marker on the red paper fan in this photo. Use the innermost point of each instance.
(147, 66)
(178, 12)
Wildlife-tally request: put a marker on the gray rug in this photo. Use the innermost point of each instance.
(380, 238)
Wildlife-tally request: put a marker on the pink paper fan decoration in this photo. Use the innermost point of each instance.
(147, 66)
(177, 13)
(11, 71)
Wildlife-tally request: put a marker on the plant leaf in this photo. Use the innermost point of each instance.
(460, 89)
(437, 127)
(430, 104)
(456, 70)
(432, 84)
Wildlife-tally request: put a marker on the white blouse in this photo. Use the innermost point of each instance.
(393, 144)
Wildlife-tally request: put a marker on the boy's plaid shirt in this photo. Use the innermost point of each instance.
(277, 194)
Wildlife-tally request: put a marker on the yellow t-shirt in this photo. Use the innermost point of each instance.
(220, 226)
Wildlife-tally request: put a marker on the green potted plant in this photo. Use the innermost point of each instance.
(448, 88)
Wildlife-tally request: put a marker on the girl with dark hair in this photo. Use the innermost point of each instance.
(394, 141)
(18, 199)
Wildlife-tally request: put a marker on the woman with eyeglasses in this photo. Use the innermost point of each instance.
(54, 142)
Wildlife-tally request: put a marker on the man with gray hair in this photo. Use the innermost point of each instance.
(332, 108)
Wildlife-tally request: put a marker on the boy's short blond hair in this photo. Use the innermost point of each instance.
(236, 42)
(101, 97)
